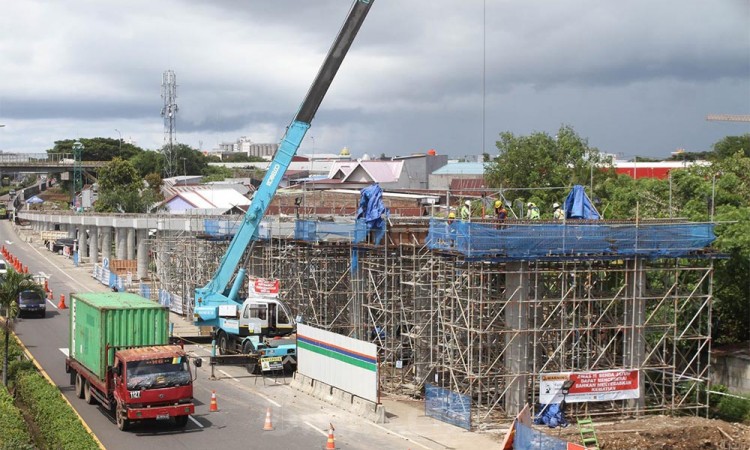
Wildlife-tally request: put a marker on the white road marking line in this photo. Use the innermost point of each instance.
(195, 421)
(269, 399)
(233, 378)
(65, 351)
(50, 302)
(399, 435)
(60, 269)
(316, 429)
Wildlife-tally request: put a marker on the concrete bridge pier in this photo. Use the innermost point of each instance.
(106, 242)
(94, 244)
(121, 244)
(130, 243)
(83, 248)
(517, 338)
(142, 254)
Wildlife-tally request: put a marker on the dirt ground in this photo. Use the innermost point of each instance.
(665, 433)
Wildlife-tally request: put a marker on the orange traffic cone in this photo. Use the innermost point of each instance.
(50, 296)
(331, 444)
(61, 305)
(268, 426)
(214, 407)
(46, 286)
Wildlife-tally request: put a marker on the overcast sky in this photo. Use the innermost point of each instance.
(634, 77)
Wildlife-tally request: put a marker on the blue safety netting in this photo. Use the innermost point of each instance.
(527, 438)
(447, 406)
(313, 231)
(221, 227)
(554, 240)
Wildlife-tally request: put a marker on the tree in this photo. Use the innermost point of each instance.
(122, 189)
(527, 163)
(148, 162)
(98, 149)
(12, 285)
(730, 145)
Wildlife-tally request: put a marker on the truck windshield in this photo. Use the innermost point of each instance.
(157, 373)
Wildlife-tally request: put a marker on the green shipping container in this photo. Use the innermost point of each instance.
(104, 320)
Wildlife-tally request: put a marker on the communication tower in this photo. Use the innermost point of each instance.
(169, 113)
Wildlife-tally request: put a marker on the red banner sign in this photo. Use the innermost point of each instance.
(595, 386)
(264, 287)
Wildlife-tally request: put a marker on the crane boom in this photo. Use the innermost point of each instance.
(728, 117)
(217, 292)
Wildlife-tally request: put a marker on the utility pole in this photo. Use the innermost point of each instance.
(169, 113)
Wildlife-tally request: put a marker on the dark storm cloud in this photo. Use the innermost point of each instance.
(635, 76)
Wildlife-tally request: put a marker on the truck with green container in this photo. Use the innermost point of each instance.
(119, 356)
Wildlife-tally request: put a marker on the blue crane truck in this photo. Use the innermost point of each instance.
(247, 326)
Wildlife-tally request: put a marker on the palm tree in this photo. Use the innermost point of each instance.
(12, 285)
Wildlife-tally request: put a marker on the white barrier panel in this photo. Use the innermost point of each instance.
(343, 362)
(595, 386)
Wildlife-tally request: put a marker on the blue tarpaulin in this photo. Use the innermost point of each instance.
(577, 205)
(371, 211)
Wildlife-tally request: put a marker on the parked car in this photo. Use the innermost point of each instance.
(58, 244)
(32, 302)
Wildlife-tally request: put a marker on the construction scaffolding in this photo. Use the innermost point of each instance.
(483, 310)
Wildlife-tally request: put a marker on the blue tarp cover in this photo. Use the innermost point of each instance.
(371, 211)
(578, 206)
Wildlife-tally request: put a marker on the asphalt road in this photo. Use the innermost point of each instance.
(300, 422)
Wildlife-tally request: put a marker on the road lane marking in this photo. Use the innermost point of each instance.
(399, 435)
(65, 351)
(269, 399)
(233, 378)
(324, 433)
(50, 302)
(60, 269)
(195, 421)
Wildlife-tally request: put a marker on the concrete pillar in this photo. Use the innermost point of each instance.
(93, 244)
(120, 245)
(106, 233)
(634, 342)
(142, 254)
(71, 230)
(83, 248)
(131, 243)
(517, 336)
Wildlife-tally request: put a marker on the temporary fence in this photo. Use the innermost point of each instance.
(527, 438)
(110, 278)
(447, 406)
(315, 230)
(516, 241)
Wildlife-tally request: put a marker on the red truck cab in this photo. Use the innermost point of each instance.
(152, 383)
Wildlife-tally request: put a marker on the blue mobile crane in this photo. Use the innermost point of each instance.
(245, 326)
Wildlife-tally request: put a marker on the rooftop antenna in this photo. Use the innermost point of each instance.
(169, 113)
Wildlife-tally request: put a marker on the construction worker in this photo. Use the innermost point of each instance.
(500, 212)
(466, 211)
(532, 211)
(558, 213)
(451, 217)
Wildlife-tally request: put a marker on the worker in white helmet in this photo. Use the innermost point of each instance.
(532, 211)
(466, 211)
(558, 213)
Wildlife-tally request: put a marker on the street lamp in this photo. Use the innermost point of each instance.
(118, 132)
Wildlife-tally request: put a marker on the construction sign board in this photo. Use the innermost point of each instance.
(596, 386)
(263, 287)
(271, 363)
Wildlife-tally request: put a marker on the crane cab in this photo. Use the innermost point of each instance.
(266, 317)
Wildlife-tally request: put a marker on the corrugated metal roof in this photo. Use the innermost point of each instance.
(462, 168)
(216, 197)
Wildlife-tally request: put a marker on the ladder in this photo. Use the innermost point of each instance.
(588, 435)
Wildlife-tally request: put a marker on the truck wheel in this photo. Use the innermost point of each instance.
(248, 347)
(223, 343)
(87, 394)
(181, 421)
(80, 383)
(122, 422)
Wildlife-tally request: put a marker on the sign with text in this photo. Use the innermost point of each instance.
(598, 386)
(263, 287)
(271, 363)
